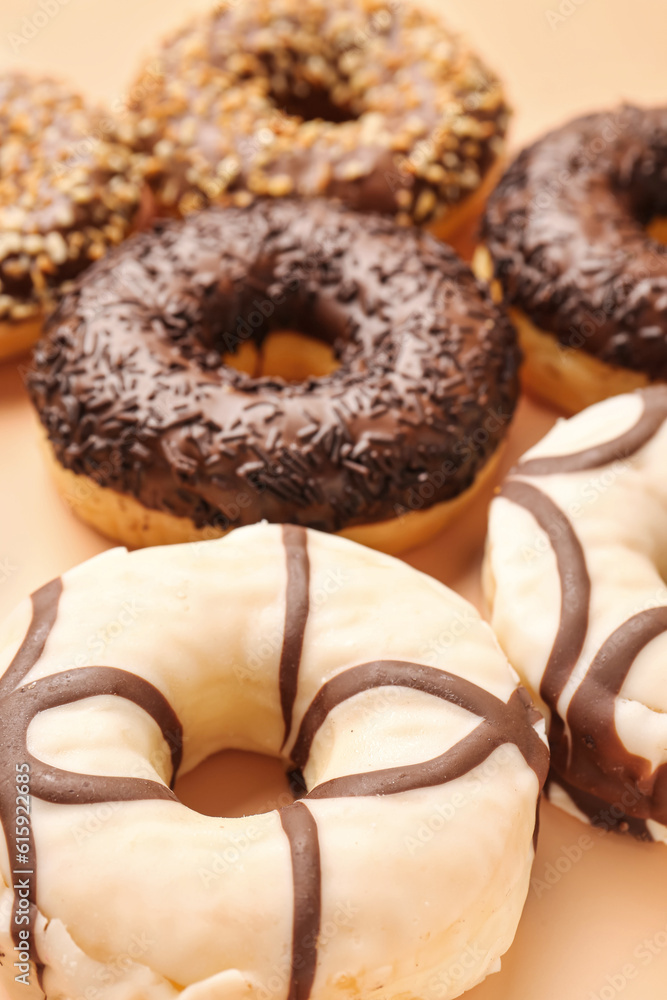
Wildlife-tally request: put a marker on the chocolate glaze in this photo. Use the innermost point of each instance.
(502, 723)
(654, 414)
(599, 812)
(20, 705)
(297, 603)
(131, 389)
(510, 722)
(50, 783)
(575, 601)
(44, 611)
(301, 831)
(565, 229)
(599, 757)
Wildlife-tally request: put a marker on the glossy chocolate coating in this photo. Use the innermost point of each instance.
(130, 385)
(566, 231)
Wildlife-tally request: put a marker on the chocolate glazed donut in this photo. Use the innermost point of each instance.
(133, 394)
(566, 234)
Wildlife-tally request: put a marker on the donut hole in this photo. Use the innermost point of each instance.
(285, 354)
(308, 89)
(276, 327)
(300, 99)
(657, 229)
(235, 783)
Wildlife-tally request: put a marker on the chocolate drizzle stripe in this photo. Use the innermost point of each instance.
(598, 812)
(301, 830)
(510, 722)
(651, 420)
(600, 759)
(615, 788)
(501, 723)
(297, 606)
(575, 588)
(44, 610)
(67, 787)
(46, 782)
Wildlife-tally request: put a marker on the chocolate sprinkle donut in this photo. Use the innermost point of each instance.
(376, 103)
(566, 231)
(131, 388)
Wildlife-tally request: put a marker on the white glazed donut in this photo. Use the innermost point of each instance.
(405, 867)
(575, 577)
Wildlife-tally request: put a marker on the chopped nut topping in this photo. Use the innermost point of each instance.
(56, 177)
(282, 97)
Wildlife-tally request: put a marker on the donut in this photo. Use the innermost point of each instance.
(374, 102)
(565, 238)
(422, 762)
(575, 573)
(66, 196)
(153, 438)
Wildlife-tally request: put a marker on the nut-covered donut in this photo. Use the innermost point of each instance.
(156, 439)
(230, 643)
(65, 198)
(575, 576)
(566, 235)
(373, 102)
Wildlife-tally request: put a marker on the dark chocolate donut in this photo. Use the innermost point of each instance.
(566, 231)
(131, 389)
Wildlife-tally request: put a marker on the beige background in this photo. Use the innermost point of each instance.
(595, 926)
